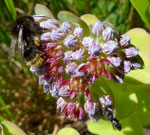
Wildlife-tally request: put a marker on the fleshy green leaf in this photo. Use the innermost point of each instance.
(141, 39)
(67, 131)
(143, 9)
(144, 118)
(66, 16)
(125, 99)
(43, 10)
(130, 126)
(8, 128)
(89, 19)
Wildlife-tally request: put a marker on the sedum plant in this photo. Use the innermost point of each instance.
(77, 57)
(80, 63)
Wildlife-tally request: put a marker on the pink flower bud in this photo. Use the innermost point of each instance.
(115, 61)
(90, 107)
(125, 67)
(87, 41)
(63, 91)
(106, 101)
(130, 52)
(110, 47)
(57, 35)
(78, 55)
(117, 77)
(78, 32)
(78, 72)
(98, 28)
(95, 49)
(136, 65)
(60, 102)
(45, 37)
(49, 24)
(68, 57)
(108, 34)
(70, 68)
(124, 40)
(66, 27)
(70, 41)
(81, 113)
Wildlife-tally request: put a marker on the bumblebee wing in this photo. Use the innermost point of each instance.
(20, 40)
(21, 43)
(12, 47)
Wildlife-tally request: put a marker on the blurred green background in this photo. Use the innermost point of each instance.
(22, 100)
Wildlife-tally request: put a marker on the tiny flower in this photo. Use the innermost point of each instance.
(125, 66)
(78, 54)
(61, 69)
(78, 72)
(105, 101)
(95, 49)
(90, 107)
(81, 113)
(115, 61)
(78, 31)
(70, 68)
(98, 28)
(87, 41)
(50, 45)
(136, 65)
(124, 40)
(110, 47)
(60, 102)
(49, 24)
(117, 77)
(130, 52)
(108, 33)
(63, 91)
(70, 41)
(57, 35)
(45, 36)
(72, 94)
(106, 73)
(68, 57)
(66, 27)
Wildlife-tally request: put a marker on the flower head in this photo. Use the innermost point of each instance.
(73, 64)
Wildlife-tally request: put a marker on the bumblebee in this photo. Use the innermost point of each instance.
(107, 113)
(25, 30)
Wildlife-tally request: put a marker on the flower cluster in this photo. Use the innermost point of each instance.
(72, 64)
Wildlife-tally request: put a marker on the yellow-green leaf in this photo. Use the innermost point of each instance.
(141, 39)
(142, 7)
(9, 128)
(130, 126)
(89, 19)
(43, 10)
(67, 131)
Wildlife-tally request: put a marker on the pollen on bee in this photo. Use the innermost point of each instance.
(37, 43)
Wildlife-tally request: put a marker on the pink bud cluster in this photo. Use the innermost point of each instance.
(72, 64)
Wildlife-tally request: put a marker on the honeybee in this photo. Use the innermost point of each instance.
(26, 30)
